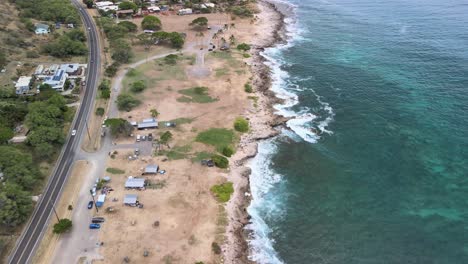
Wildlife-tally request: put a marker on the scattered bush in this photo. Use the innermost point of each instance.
(216, 248)
(115, 171)
(199, 22)
(126, 102)
(243, 47)
(32, 54)
(138, 87)
(228, 151)
(223, 191)
(241, 125)
(62, 226)
(125, 5)
(112, 69)
(171, 59)
(220, 161)
(100, 111)
(248, 88)
(246, 55)
(241, 11)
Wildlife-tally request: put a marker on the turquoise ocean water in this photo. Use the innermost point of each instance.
(382, 176)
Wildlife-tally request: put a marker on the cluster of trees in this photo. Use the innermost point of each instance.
(241, 11)
(151, 23)
(126, 102)
(45, 119)
(48, 10)
(174, 39)
(105, 89)
(119, 126)
(126, 5)
(117, 35)
(138, 86)
(20, 176)
(71, 43)
(199, 23)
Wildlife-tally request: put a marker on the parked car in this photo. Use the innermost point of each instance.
(90, 204)
(138, 138)
(73, 132)
(143, 138)
(96, 220)
(150, 137)
(137, 151)
(94, 226)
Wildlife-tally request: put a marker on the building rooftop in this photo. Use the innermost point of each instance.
(23, 81)
(152, 169)
(135, 183)
(130, 198)
(42, 26)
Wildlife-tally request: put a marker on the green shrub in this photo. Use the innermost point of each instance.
(112, 69)
(216, 248)
(228, 151)
(220, 161)
(62, 226)
(246, 55)
(126, 102)
(151, 23)
(243, 47)
(241, 125)
(100, 111)
(115, 171)
(223, 191)
(138, 87)
(248, 88)
(171, 59)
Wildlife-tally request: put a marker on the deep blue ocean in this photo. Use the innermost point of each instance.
(374, 167)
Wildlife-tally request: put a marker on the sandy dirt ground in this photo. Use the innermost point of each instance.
(190, 218)
(49, 241)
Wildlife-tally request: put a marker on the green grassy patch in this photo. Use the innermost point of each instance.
(196, 95)
(182, 120)
(217, 137)
(169, 71)
(177, 152)
(221, 71)
(199, 156)
(223, 191)
(255, 100)
(115, 171)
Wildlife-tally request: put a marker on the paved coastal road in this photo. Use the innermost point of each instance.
(27, 243)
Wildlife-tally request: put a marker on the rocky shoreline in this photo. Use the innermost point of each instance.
(264, 125)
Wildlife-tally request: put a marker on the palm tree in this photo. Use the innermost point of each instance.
(232, 40)
(154, 113)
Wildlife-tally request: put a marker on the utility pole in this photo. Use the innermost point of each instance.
(92, 196)
(55, 212)
(87, 129)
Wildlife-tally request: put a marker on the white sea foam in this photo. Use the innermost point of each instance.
(262, 180)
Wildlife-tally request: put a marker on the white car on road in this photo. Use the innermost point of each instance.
(73, 132)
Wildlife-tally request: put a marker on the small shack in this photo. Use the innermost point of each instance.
(151, 169)
(147, 123)
(135, 183)
(131, 199)
(100, 201)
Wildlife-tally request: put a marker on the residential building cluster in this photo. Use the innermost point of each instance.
(54, 75)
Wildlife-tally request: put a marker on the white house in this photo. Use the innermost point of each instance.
(42, 29)
(57, 81)
(23, 84)
(103, 3)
